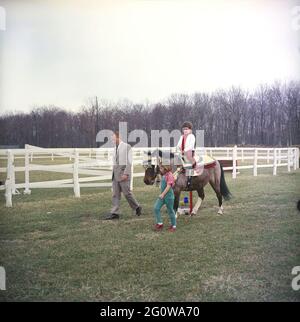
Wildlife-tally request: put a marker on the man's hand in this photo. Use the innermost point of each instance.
(124, 177)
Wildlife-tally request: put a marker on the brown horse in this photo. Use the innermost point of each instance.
(213, 175)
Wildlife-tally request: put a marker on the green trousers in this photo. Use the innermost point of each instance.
(169, 202)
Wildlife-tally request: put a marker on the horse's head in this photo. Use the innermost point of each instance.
(151, 171)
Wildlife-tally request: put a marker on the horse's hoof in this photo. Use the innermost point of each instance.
(193, 214)
(220, 212)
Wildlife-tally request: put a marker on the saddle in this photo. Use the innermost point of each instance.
(202, 162)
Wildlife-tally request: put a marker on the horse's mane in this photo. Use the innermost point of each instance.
(162, 154)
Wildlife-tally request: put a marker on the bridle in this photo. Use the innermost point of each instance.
(153, 167)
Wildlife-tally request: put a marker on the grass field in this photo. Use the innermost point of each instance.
(56, 247)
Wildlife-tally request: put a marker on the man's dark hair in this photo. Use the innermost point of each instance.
(117, 133)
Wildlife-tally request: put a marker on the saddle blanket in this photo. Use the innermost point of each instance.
(203, 162)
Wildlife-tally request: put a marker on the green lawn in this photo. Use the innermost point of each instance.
(56, 247)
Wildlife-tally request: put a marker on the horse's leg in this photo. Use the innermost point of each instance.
(215, 180)
(158, 180)
(158, 176)
(176, 201)
(201, 196)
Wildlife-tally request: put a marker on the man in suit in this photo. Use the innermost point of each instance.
(121, 177)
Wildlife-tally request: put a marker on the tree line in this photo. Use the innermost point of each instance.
(269, 115)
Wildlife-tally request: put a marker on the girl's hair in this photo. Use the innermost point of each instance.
(167, 168)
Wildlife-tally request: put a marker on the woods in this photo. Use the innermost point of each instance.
(270, 115)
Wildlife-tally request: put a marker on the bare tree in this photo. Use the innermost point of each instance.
(270, 115)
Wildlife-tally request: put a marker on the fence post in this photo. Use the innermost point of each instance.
(268, 156)
(110, 159)
(279, 156)
(234, 157)
(274, 162)
(75, 175)
(8, 194)
(31, 157)
(294, 158)
(11, 172)
(255, 163)
(289, 160)
(27, 191)
(8, 182)
(13, 180)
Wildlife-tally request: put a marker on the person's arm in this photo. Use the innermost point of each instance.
(178, 147)
(189, 147)
(127, 170)
(170, 183)
(128, 160)
(163, 194)
(190, 143)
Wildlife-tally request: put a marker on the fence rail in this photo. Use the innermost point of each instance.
(95, 164)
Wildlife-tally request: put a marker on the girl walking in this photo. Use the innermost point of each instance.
(165, 198)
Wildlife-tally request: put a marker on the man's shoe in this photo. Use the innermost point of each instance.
(138, 211)
(111, 216)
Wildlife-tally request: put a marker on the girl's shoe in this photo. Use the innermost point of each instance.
(172, 229)
(158, 227)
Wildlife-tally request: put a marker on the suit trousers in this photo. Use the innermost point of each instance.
(118, 187)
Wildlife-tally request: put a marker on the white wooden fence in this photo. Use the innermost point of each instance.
(95, 165)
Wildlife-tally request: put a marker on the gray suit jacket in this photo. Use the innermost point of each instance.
(122, 159)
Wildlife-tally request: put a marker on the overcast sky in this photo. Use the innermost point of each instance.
(63, 52)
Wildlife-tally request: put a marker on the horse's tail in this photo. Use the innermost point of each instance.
(223, 186)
